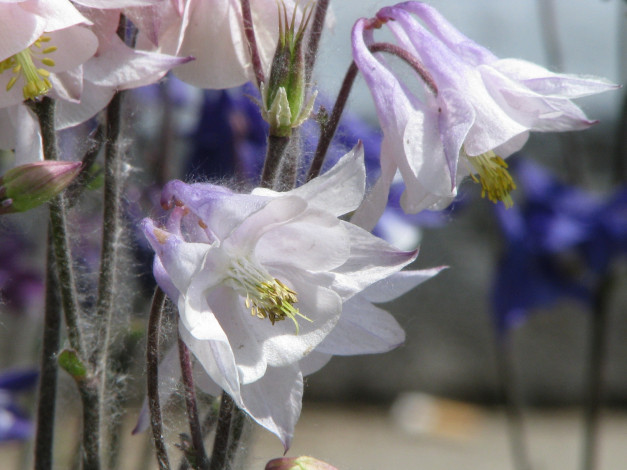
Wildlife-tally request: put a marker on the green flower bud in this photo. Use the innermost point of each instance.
(27, 186)
(298, 463)
(283, 96)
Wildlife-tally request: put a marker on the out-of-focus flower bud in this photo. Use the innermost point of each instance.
(27, 186)
(284, 105)
(298, 463)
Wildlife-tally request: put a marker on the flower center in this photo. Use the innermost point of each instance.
(22, 65)
(493, 176)
(266, 297)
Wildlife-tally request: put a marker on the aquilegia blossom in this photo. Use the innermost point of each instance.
(270, 285)
(475, 111)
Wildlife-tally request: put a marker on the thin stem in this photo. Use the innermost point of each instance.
(274, 155)
(152, 376)
(596, 374)
(314, 37)
(328, 128)
(511, 400)
(44, 438)
(69, 299)
(221, 442)
(91, 436)
(84, 176)
(237, 430)
(200, 456)
(249, 32)
(101, 355)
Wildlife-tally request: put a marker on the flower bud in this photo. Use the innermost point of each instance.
(27, 186)
(283, 96)
(298, 463)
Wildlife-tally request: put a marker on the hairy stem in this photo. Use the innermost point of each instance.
(328, 128)
(69, 299)
(314, 37)
(44, 437)
(221, 442)
(200, 456)
(101, 355)
(84, 176)
(249, 32)
(152, 377)
(274, 154)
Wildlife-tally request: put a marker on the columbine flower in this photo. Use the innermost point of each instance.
(475, 111)
(269, 285)
(89, 67)
(45, 39)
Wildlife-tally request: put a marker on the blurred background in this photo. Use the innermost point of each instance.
(520, 301)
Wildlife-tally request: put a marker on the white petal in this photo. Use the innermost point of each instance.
(341, 189)
(315, 241)
(398, 284)
(363, 329)
(275, 401)
(372, 259)
(20, 28)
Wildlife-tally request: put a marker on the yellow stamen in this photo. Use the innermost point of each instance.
(266, 297)
(492, 174)
(22, 65)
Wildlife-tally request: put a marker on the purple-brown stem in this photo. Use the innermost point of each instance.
(152, 376)
(200, 457)
(314, 37)
(249, 32)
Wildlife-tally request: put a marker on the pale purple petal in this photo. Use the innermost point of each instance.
(275, 401)
(363, 329)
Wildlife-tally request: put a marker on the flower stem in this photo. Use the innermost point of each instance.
(200, 461)
(314, 37)
(249, 32)
(45, 113)
(276, 149)
(101, 355)
(221, 443)
(238, 422)
(596, 373)
(511, 400)
(91, 435)
(44, 438)
(328, 128)
(84, 176)
(152, 376)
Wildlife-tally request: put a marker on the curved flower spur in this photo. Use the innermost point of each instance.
(239, 265)
(475, 111)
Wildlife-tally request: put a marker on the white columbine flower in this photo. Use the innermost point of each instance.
(475, 111)
(270, 285)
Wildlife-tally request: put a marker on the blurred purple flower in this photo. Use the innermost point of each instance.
(21, 287)
(14, 423)
(559, 240)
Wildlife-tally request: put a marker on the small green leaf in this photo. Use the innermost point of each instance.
(70, 362)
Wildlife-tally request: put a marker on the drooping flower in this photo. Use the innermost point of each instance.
(559, 241)
(270, 285)
(476, 109)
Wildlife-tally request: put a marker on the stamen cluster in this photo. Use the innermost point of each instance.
(36, 79)
(495, 180)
